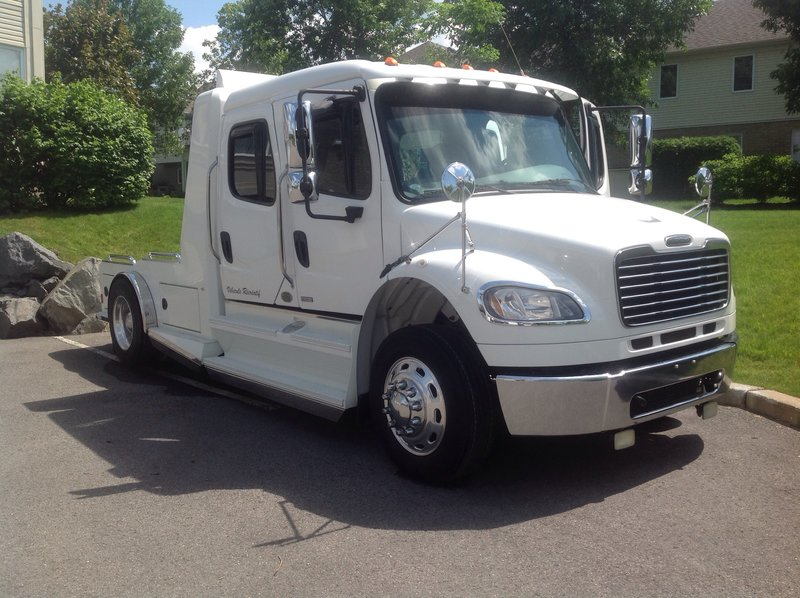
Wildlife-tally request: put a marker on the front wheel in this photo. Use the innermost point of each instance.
(125, 321)
(431, 403)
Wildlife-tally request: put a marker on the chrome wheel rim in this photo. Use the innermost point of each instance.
(122, 323)
(413, 403)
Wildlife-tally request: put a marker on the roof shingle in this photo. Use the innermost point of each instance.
(730, 23)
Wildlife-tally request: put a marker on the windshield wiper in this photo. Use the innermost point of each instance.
(487, 188)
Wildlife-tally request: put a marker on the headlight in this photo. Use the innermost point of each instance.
(515, 304)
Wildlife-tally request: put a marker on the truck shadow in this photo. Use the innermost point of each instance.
(171, 439)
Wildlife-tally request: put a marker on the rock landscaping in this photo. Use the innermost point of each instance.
(41, 294)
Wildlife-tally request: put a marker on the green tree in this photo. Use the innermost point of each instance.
(87, 41)
(278, 36)
(164, 77)
(72, 146)
(603, 48)
(784, 15)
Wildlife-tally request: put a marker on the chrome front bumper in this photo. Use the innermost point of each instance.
(612, 399)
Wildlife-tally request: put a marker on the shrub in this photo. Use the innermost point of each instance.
(70, 146)
(678, 158)
(755, 177)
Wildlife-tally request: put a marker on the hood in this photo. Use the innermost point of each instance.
(556, 233)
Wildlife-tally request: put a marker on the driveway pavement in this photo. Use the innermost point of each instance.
(132, 484)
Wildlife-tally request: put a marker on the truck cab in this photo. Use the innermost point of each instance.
(438, 246)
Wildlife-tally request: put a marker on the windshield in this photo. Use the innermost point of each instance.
(513, 141)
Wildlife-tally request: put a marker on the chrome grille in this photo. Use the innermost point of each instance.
(656, 288)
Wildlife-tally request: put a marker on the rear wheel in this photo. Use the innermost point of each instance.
(431, 403)
(127, 329)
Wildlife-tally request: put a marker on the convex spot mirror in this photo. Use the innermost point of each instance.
(295, 190)
(703, 181)
(458, 182)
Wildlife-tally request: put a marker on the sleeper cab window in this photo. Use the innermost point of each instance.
(342, 154)
(668, 85)
(251, 166)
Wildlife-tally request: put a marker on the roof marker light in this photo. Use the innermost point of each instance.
(390, 61)
(467, 67)
(439, 64)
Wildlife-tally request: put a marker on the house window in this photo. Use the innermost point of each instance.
(251, 166)
(669, 81)
(743, 73)
(11, 61)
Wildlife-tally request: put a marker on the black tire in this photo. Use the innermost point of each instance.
(431, 403)
(125, 322)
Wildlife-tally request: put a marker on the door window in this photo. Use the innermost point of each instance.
(342, 155)
(251, 166)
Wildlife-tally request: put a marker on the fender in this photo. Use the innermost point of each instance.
(145, 297)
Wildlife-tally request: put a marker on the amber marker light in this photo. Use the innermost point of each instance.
(467, 67)
(390, 61)
(439, 64)
(493, 70)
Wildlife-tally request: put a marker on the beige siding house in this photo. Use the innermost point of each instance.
(720, 84)
(22, 38)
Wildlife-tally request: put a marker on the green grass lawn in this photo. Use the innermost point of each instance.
(153, 224)
(765, 263)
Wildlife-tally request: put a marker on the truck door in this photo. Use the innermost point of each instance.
(247, 233)
(337, 263)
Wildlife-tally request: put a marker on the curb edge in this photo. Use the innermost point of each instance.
(771, 404)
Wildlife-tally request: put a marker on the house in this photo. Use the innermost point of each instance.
(169, 175)
(719, 84)
(22, 38)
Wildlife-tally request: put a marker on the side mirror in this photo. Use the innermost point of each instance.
(641, 154)
(295, 120)
(703, 181)
(458, 182)
(641, 140)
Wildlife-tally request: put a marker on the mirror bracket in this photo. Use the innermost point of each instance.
(303, 136)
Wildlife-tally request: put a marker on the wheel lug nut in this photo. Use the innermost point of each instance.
(409, 431)
(402, 385)
(415, 421)
(416, 406)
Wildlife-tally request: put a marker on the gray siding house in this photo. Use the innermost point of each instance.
(22, 38)
(719, 84)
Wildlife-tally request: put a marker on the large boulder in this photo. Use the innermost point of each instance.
(74, 299)
(18, 317)
(22, 259)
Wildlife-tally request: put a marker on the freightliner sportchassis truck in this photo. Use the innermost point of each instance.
(439, 246)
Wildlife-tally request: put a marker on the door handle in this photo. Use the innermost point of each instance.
(227, 248)
(301, 248)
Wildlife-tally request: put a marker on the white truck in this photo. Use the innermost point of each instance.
(438, 246)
